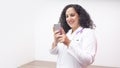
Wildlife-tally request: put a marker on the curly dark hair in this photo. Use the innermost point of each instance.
(85, 20)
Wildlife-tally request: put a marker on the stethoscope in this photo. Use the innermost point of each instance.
(80, 31)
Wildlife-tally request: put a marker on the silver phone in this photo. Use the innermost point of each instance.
(57, 26)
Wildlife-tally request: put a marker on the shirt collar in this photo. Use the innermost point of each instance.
(71, 35)
(78, 30)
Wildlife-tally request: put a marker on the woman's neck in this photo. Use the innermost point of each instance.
(73, 29)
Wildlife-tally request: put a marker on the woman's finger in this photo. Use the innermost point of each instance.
(62, 30)
(61, 40)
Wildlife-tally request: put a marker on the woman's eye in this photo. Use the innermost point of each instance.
(72, 15)
(66, 16)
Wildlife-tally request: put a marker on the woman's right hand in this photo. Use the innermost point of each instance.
(56, 36)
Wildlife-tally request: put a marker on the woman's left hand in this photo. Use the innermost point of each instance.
(63, 38)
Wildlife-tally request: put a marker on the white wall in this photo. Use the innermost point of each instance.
(105, 15)
(16, 33)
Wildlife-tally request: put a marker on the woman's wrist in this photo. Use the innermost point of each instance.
(54, 44)
(67, 42)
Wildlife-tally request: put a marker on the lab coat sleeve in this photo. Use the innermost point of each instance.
(84, 54)
(54, 50)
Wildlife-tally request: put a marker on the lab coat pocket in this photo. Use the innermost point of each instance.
(77, 41)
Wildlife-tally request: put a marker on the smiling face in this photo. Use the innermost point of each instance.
(72, 18)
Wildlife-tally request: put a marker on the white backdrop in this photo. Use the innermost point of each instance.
(17, 45)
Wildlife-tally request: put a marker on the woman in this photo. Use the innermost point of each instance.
(76, 46)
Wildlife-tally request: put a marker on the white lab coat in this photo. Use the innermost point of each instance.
(81, 51)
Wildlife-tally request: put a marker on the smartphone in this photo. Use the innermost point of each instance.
(58, 27)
